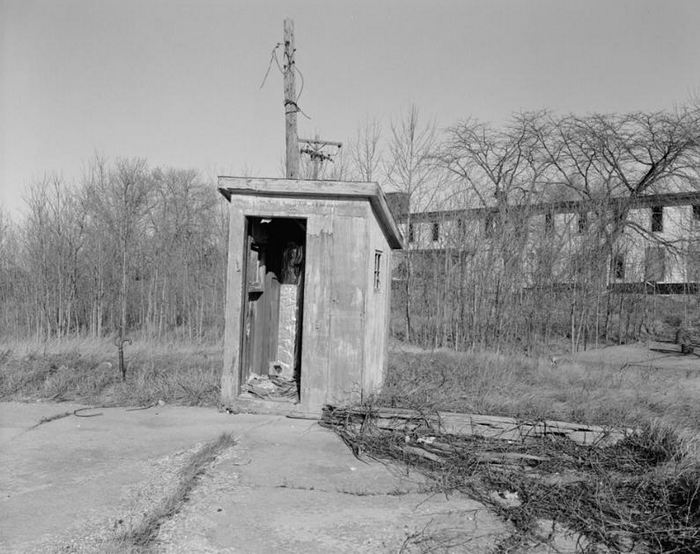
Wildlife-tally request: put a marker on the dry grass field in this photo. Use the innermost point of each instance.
(627, 385)
(87, 371)
(617, 386)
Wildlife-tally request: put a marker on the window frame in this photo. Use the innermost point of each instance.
(619, 266)
(435, 231)
(489, 224)
(549, 222)
(377, 273)
(582, 223)
(657, 219)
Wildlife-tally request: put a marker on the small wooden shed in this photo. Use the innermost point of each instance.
(308, 290)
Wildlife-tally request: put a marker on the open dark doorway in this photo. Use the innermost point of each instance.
(273, 297)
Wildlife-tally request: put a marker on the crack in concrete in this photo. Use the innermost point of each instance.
(49, 419)
(328, 491)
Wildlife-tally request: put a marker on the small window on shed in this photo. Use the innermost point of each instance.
(377, 270)
(657, 219)
(411, 233)
(436, 232)
(696, 212)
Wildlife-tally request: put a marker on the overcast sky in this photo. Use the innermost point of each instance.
(178, 82)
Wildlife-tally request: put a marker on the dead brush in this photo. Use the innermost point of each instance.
(641, 493)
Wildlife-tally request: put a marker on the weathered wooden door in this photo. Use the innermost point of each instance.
(272, 298)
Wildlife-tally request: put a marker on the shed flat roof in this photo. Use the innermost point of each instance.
(331, 190)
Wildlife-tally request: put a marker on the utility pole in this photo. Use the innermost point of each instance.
(314, 148)
(290, 102)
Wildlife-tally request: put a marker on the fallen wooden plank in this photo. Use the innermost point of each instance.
(509, 428)
(500, 427)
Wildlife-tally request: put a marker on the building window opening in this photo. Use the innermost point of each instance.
(655, 264)
(696, 212)
(549, 222)
(582, 222)
(377, 270)
(657, 219)
(619, 266)
(436, 232)
(619, 214)
(411, 233)
(489, 224)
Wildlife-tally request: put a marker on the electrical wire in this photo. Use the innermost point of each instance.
(273, 56)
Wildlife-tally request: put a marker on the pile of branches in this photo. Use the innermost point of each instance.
(640, 494)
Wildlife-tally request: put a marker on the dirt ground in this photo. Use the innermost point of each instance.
(72, 484)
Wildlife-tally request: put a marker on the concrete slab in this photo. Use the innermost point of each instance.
(287, 486)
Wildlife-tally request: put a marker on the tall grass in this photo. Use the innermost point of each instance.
(514, 385)
(86, 370)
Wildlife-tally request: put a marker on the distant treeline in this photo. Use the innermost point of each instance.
(143, 250)
(132, 246)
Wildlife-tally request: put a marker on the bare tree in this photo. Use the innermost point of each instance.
(365, 151)
(11, 277)
(499, 171)
(411, 169)
(183, 255)
(53, 237)
(120, 201)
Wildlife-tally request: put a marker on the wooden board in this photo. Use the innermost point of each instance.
(230, 377)
(506, 428)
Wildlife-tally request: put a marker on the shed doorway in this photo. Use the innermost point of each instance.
(273, 297)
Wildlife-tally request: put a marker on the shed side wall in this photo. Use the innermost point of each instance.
(348, 308)
(377, 311)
